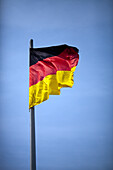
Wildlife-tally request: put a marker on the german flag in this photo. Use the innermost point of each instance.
(51, 68)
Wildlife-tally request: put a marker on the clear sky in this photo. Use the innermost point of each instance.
(74, 131)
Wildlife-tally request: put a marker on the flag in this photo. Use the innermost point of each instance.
(51, 68)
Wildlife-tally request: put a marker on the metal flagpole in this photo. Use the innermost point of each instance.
(32, 130)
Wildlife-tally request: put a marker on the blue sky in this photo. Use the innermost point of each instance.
(74, 131)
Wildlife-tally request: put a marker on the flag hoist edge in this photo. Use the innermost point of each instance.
(51, 68)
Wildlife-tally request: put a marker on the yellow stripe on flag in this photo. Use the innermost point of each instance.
(50, 85)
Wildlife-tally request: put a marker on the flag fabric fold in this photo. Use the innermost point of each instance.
(51, 68)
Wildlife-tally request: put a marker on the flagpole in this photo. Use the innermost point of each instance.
(32, 130)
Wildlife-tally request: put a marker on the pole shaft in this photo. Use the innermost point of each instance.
(32, 131)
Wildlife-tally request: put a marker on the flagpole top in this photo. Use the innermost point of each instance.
(31, 43)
